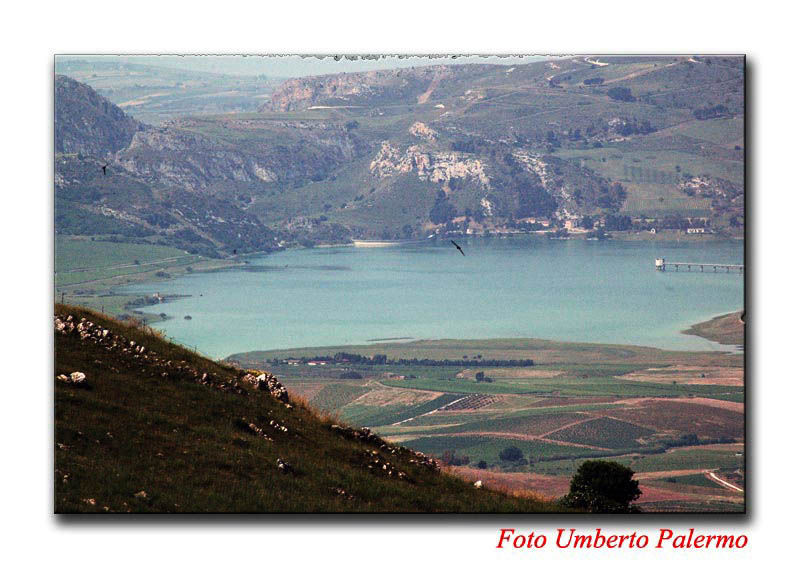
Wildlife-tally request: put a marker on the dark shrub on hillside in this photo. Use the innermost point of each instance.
(716, 111)
(442, 210)
(511, 453)
(621, 94)
(350, 375)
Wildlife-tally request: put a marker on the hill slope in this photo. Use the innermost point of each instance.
(89, 123)
(156, 428)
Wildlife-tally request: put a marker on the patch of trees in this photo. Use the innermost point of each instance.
(534, 201)
(601, 486)
(628, 127)
(574, 134)
(141, 302)
(621, 94)
(511, 453)
(674, 222)
(322, 232)
(468, 145)
(552, 139)
(442, 210)
(618, 223)
(612, 196)
(449, 457)
(162, 220)
(694, 440)
(594, 81)
(188, 235)
(350, 375)
(716, 111)
(525, 225)
(481, 377)
(598, 234)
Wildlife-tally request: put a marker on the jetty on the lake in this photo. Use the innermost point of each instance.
(662, 265)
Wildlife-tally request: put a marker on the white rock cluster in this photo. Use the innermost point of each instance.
(268, 382)
(89, 331)
(77, 378)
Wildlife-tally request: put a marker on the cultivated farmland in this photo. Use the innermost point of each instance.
(676, 418)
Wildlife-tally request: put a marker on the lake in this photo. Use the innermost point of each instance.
(525, 286)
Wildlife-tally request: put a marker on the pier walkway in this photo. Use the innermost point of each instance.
(663, 265)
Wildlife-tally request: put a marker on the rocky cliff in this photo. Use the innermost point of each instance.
(373, 88)
(242, 155)
(501, 183)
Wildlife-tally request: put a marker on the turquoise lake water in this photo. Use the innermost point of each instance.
(571, 290)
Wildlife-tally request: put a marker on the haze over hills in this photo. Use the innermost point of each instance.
(614, 143)
(153, 92)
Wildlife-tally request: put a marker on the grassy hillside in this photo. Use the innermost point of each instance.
(164, 430)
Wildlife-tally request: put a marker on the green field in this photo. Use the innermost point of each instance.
(73, 254)
(88, 271)
(488, 449)
(697, 479)
(678, 459)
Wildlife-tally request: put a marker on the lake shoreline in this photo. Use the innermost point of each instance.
(347, 296)
(109, 287)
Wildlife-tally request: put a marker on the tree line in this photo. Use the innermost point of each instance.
(381, 359)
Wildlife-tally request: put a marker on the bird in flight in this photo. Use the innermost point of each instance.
(455, 244)
(104, 169)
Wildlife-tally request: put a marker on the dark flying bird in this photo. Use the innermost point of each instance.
(455, 244)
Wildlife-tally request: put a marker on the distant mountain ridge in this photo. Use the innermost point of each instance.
(407, 153)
